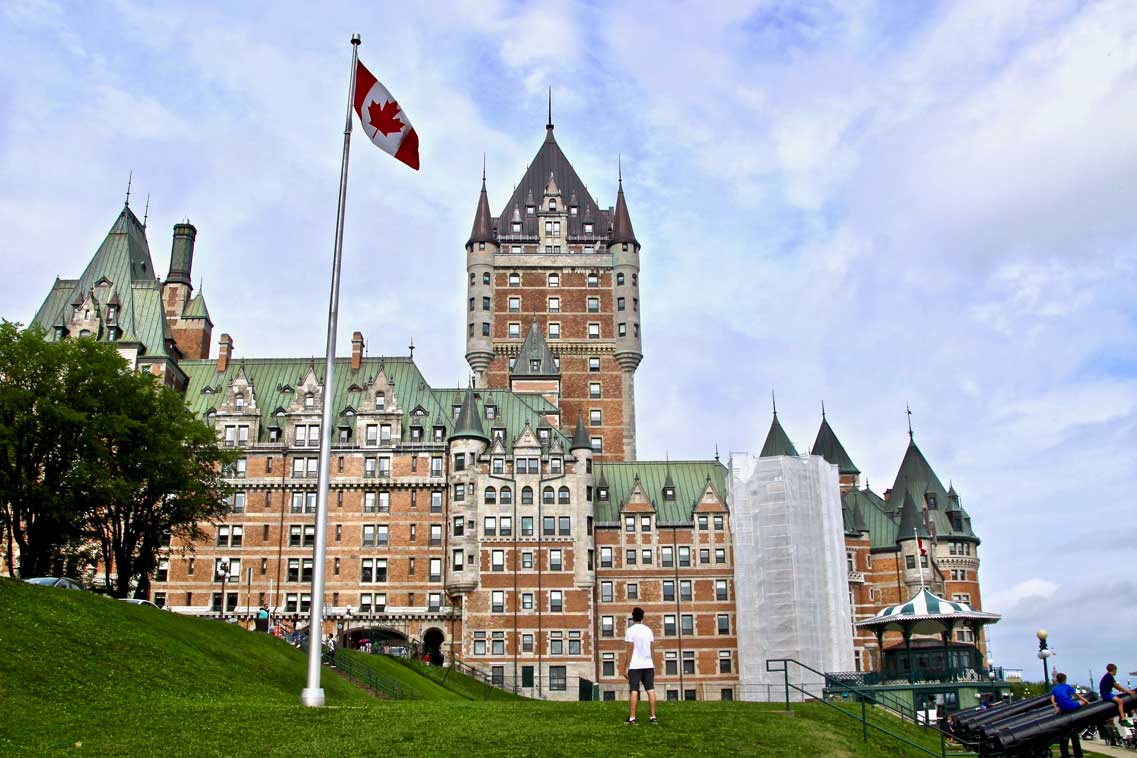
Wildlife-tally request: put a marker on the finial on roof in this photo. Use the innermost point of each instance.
(909, 412)
(549, 125)
(774, 402)
(716, 451)
(822, 410)
(483, 169)
(619, 169)
(129, 179)
(412, 348)
(146, 213)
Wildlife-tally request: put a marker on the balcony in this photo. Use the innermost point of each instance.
(856, 577)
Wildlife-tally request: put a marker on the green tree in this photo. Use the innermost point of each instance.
(48, 393)
(153, 469)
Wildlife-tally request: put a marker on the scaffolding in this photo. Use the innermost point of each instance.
(790, 574)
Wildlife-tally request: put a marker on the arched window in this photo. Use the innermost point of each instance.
(527, 496)
(506, 496)
(491, 495)
(547, 496)
(515, 280)
(471, 278)
(563, 496)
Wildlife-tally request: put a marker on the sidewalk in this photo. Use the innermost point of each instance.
(1097, 746)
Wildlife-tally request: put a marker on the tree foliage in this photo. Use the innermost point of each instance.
(95, 454)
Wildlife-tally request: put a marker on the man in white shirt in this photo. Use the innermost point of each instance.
(641, 667)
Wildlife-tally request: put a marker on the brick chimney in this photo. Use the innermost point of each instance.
(224, 353)
(356, 350)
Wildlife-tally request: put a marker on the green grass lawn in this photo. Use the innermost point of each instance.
(465, 686)
(86, 675)
(415, 686)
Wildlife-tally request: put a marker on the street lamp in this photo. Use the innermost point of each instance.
(223, 572)
(1044, 652)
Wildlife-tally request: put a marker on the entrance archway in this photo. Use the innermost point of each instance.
(432, 640)
(380, 639)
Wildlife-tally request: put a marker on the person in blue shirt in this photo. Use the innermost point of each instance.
(1065, 700)
(1108, 684)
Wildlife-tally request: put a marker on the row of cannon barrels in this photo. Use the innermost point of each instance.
(1028, 727)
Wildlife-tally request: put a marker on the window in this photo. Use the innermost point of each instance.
(479, 643)
(506, 496)
(629, 522)
(910, 561)
(527, 560)
(554, 305)
(720, 589)
(595, 417)
(489, 527)
(685, 590)
(373, 570)
(718, 521)
(724, 662)
(497, 601)
(669, 625)
(593, 305)
(594, 364)
(597, 444)
(555, 468)
(515, 280)
(549, 526)
(630, 557)
(666, 556)
(684, 555)
(670, 666)
(526, 526)
(669, 590)
(720, 555)
(593, 280)
(555, 560)
(594, 390)
(619, 303)
(554, 330)
(497, 560)
(722, 621)
(526, 495)
(564, 526)
(688, 625)
(556, 601)
(514, 331)
(645, 556)
(514, 305)
(558, 678)
(621, 329)
(605, 557)
(594, 331)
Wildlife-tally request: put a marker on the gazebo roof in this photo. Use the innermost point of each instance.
(926, 613)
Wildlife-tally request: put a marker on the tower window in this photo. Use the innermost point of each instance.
(481, 246)
(619, 303)
(485, 278)
(485, 329)
(621, 330)
(572, 210)
(619, 278)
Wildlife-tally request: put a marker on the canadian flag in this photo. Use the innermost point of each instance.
(383, 119)
(920, 544)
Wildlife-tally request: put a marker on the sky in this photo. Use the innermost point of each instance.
(857, 203)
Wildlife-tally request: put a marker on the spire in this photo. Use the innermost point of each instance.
(482, 230)
(146, 212)
(535, 358)
(777, 441)
(129, 180)
(621, 221)
(909, 412)
(580, 440)
(830, 448)
(469, 425)
(911, 525)
(549, 124)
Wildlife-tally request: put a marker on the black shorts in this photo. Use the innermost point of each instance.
(644, 676)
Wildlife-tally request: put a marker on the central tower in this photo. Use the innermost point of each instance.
(556, 261)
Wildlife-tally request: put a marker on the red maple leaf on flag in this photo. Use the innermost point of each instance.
(385, 118)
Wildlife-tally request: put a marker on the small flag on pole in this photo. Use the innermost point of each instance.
(383, 119)
(920, 544)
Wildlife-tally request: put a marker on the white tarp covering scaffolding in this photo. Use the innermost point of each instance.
(790, 575)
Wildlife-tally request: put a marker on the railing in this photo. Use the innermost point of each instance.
(367, 676)
(921, 676)
(782, 665)
(413, 648)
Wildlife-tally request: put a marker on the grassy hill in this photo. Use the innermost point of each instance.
(82, 674)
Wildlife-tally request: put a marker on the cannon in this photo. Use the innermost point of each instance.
(967, 725)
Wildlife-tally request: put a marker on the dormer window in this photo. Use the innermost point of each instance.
(530, 210)
(602, 493)
(239, 402)
(111, 312)
(552, 204)
(87, 314)
(516, 227)
(273, 434)
(380, 401)
(668, 493)
(572, 210)
(588, 227)
(543, 435)
(455, 410)
(309, 401)
(930, 498)
(499, 434)
(535, 364)
(481, 246)
(491, 411)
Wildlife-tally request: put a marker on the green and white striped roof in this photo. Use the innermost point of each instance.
(926, 613)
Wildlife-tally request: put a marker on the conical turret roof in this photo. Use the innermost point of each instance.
(580, 440)
(621, 221)
(469, 424)
(535, 358)
(482, 230)
(830, 448)
(917, 479)
(910, 522)
(777, 441)
(195, 308)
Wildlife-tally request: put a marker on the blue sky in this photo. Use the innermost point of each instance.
(866, 204)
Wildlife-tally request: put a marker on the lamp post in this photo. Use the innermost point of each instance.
(1044, 652)
(223, 572)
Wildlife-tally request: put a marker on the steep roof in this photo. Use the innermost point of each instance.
(535, 359)
(777, 441)
(580, 440)
(195, 308)
(551, 160)
(911, 525)
(917, 479)
(621, 221)
(830, 448)
(688, 477)
(881, 527)
(121, 272)
(469, 425)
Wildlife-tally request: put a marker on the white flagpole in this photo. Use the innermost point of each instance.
(919, 557)
(313, 694)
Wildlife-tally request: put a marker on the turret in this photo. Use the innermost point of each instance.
(181, 254)
(628, 352)
(480, 251)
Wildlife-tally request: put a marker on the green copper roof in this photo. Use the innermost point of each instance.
(469, 424)
(777, 441)
(688, 477)
(880, 526)
(535, 359)
(916, 478)
(911, 525)
(830, 448)
(195, 308)
(120, 273)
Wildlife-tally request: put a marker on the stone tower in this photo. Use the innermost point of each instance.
(187, 316)
(555, 261)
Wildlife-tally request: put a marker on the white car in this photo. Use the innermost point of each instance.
(139, 601)
(56, 581)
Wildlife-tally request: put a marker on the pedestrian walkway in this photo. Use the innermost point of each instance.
(1096, 746)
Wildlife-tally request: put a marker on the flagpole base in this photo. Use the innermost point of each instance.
(312, 697)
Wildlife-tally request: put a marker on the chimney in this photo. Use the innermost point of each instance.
(224, 353)
(356, 350)
(181, 254)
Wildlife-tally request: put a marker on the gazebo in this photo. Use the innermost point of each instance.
(928, 614)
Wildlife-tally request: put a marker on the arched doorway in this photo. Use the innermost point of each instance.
(379, 639)
(432, 640)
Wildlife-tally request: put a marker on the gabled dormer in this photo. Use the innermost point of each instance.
(638, 500)
(527, 440)
(240, 397)
(307, 397)
(710, 499)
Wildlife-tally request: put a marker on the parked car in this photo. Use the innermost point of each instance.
(140, 601)
(56, 581)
